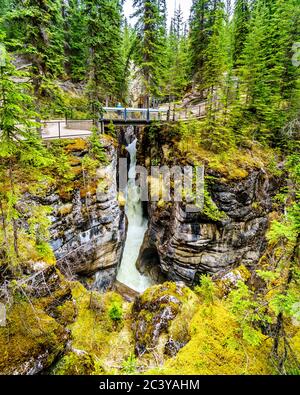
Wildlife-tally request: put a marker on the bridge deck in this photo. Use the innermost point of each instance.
(121, 115)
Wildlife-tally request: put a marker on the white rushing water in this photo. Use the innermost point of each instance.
(137, 226)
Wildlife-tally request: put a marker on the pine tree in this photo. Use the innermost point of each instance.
(150, 44)
(241, 19)
(176, 70)
(269, 81)
(177, 24)
(203, 16)
(41, 41)
(128, 48)
(163, 12)
(216, 53)
(104, 40)
(76, 46)
(20, 149)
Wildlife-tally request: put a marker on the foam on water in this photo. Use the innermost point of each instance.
(137, 227)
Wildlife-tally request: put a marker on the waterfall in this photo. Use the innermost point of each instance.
(137, 227)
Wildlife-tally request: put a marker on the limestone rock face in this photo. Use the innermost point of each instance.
(88, 231)
(184, 245)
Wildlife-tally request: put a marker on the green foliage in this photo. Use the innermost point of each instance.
(175, 73)
(207, 289)
(75, 36)
(284, 303)
(267, 276)
(241, 19)
(203, 17)
(150, 30)
(248, 313)
(111, 130)
(210, 208)
(103, 19)
(96, 148)
(115, 312)
(39, 37)
(130, 365)
(22, 157)
(268, 77)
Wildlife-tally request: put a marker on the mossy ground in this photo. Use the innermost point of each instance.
(186, 143)
(216, 348)
(104, 343)
(29, 334)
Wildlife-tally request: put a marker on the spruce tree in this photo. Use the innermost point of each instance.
(104, 40)
(150, 44)
(203, 16)
(128, 49)
(41, 41)
(75, 40)
(241, 20)
(176, 70)
(269, 80)
(21, 151)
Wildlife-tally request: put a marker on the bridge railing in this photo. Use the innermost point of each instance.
(57, 129)
(134, 114)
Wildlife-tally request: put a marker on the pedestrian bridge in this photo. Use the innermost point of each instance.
(72, 128)
(138, 116)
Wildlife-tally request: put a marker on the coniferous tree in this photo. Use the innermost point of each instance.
(21, 150)
(150, 44)
(241, 21)
(176, 70)
(128, 48)
(5, 26)
(41, 41)
(203, 16)
(269, 80)
(76, 46)
(104, 40)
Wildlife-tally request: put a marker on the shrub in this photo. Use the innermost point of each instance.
(130, 365)
(115, 312)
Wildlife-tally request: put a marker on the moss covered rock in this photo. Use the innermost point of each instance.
(216, 348)
(75, 363)
(30, 341)
(161, 316)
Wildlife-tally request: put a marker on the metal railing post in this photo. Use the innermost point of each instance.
(59, 132)
(125, 114)
(148, 114)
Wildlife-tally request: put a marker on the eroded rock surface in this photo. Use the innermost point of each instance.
(183, 245)
(88, 227)
(160, 318)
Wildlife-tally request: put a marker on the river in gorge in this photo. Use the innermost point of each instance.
(137, 227)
